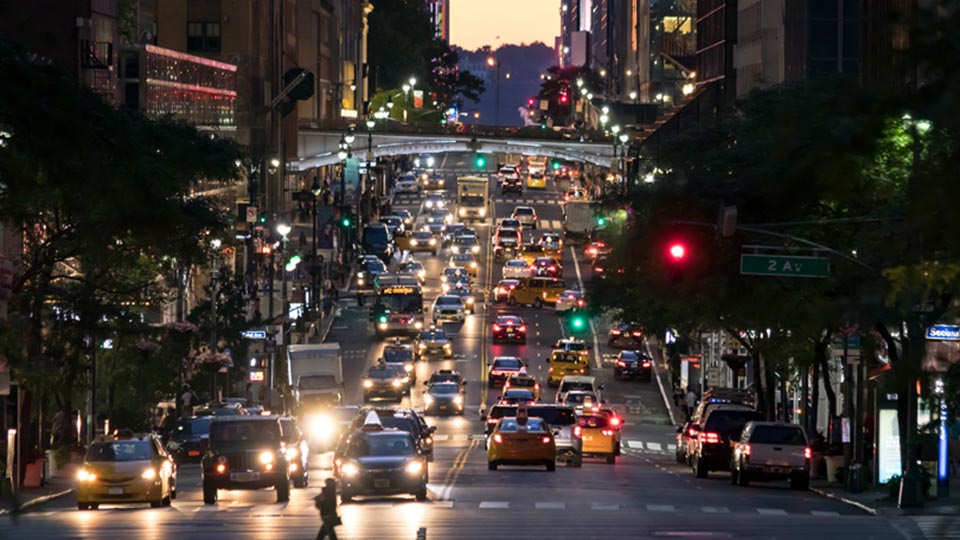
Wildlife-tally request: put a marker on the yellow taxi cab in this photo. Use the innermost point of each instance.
(521, 440)
(522, 380)
(601, 438)
(552, 245)
(574, 345)
(536, 291)
(563, 363)
(537, 180)
(530, 253)
(126, 468)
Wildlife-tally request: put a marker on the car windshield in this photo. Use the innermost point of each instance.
(565, 358)
(471, 200)
(382, 373)
(448, 300)
(397, 355)
(433, 335)
(236, 431)
(510, 425)
(785, 435)
(375, 267)
(516, 264)
(578, 397)
(572, 386)
(120, 451)
(593, 421)
(510, 363)
(444, 389)
(444, 377)
(522, 382)
(193, 426)
(523, 212)
(317, 382)
(381, 445)
(518, 393)
(551, 414)
(729, 423)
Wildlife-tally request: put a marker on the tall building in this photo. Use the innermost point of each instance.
(439, 11)
(569, 24)
(761, 39)
(673, 47)
(716, 37)
(82, 38)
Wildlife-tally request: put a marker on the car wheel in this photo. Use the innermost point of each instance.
(699, 469)
(283, 490)
(83, 506)
(511, 301)
(538, 303)
(209, 494)
(421, 494)
(300, 482)
(492, 465)
(156, 504)
(551, 466)
(800, 482)
(612, 459)
(166, 501)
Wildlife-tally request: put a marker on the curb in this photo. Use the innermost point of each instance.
(870, 510)
(663, 393)
(35, 501)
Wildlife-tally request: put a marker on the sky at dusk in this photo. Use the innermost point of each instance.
(475, 23)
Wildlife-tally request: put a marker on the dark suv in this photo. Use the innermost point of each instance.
(245, 452)
(405, 420)
(186, 440)
(711, 448)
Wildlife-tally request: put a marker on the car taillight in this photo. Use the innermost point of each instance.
(615, 332)
(607, 432)
(615, 421)
(523, 328)
(553, 268)
(577, 432)
(497, 438)
(710, 438)
(637, 333)
(621, 363)
(491, 420)
(646, 364)
(745, 450)
(807, 453)
(692, 432)
(545, 439)
(496, 327)
(580, 302)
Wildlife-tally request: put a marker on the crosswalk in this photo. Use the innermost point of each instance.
(938, 527)
(630, 446)
(406, 200)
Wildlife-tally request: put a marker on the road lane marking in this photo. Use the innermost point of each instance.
(456, 470)
(441, 438)
(593, 326)
(604, 506)
(494, 505)
(715, 509)
(550, 505)
(771, 511)
(655, 446)
(656, 375)
(661, 508)
(824, 513)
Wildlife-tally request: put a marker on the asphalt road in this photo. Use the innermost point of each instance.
(644, 495)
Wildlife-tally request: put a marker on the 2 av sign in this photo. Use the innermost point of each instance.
(784, 266)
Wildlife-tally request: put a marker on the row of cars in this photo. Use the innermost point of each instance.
(726, 433)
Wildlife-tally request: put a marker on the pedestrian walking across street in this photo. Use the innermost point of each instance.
(326, 503)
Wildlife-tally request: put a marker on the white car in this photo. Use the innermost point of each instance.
(526, 215)
(434, 200)
(516, 269)
(449, 308)
(407, 183)
(570, 299)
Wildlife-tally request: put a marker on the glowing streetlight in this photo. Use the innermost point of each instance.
(624, 138)
(413, 81)
(283, 229)
(633, 95)
(579, 83)
(615, 129)
(406, 88)
(688, 89)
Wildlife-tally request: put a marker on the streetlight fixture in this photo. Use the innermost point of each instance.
(283, 229)
(390, 103)
(406, 88)
(215, 243)
(493, 62)
(342, 149)
(413, 82)
(579, 83)
(688, 89)
(633, 95)
(351, 136)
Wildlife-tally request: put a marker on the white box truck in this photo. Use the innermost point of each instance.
(580, 219)
(472, 198)
(315, 374)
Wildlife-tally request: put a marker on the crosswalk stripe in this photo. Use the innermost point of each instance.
(443, 437)
(635, 444)
(661, 508)
(498, 505)
(550, 505)
(715, 509)
(772, 511)
(604, 506)
(654, 446)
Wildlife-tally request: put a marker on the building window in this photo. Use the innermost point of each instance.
(203, 37)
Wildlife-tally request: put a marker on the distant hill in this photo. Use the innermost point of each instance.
(524, 64)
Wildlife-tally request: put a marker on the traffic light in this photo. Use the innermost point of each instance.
(677, 251)
(345, 217)
(530, 102)
(345, 221)
(601, 221)
(480, 161)
(577, 322)
(556, 165)
(292, 262)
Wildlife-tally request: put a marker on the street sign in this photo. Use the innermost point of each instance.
(943, 332)
(254, 334)
(784, 266)
(251, 216)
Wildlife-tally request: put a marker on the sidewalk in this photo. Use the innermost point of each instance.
(661, 370)
(877, 502)
(59, 485)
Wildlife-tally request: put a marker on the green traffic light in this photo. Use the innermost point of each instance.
(383, 318)
(480, 162)
(556, 165)
(345, 222)
(601, 221)
(578, 323)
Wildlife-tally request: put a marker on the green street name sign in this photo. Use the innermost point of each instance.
(784, 266)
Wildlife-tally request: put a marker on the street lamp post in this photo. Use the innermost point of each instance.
(492, 62)
(215, 244)
(315, 189)
(623, 157)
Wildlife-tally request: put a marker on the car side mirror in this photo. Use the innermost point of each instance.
(431, 429)
(600, 387)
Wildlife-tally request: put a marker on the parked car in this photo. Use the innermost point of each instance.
(772, 451)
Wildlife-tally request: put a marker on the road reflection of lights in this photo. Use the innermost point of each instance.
(459, 422)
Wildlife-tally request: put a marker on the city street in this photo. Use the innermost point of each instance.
(646, 494)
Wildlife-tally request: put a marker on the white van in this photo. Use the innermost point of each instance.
(584, 383)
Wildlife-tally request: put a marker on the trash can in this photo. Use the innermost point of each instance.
(855, 478)
(834, 463)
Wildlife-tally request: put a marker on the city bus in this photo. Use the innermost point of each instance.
(398, 305)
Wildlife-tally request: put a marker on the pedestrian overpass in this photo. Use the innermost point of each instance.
(319, 148)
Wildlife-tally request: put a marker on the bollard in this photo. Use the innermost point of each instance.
(422, 533)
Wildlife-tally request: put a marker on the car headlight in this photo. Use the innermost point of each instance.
(423, 273)
(368, 383)
(383, 326)
(422, 346)
(462, 212)
(429, 204)
(414, 467)
(418, 325)
(458, 400)
(86, 475)
(483, 212)
(266, 457)
(446, 287)
(456, 249)
(413, 242)
(359, 281)
(428, 399)
(149, 474)
(440, 204)
(349, 469)
(291, 452)
(321, 426)
(396, 383)
(475, 249)
(446, 346)
(469, 299)
(473, 264)
(408, 367)
(433, 242)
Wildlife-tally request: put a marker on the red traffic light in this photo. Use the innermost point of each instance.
(563, 98)
(530, 102)
(677, 251)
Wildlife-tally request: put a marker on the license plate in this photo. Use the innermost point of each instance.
(443, 407)
(115, 491)
(381, 482)
(244, 476)
(775, 470)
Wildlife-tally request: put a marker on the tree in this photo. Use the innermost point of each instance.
(400, 41)
(561, 91)
(447, 81)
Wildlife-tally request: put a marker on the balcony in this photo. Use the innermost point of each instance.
(96, 55)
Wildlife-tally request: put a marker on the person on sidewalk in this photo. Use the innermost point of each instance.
(690, 403)
(326, 503)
